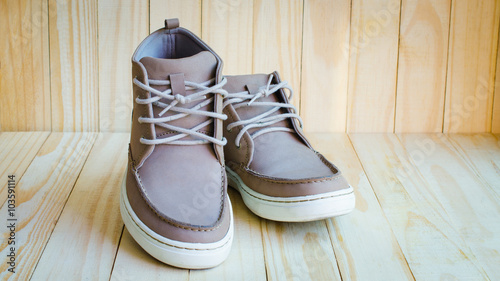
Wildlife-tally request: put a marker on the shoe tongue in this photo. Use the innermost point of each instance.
(197, 68)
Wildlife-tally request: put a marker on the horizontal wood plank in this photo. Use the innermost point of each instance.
(133, 263)
(90, 225)
(298, 251)
(17, 150)
(41, 195)
(470, 204)
(361, 251)
(246, 260)
(433, 247)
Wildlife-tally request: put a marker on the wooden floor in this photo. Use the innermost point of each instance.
(428, 208)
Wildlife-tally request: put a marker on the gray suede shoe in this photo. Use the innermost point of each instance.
(174, 198)
(270, 162)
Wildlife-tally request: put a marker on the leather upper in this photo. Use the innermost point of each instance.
(279, 164)
(178, 191)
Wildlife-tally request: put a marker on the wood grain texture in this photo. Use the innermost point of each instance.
(373, 57)
(471, 66)
(423, 50)
(325, 65)
(74, 65)
(24, 66)
(298, 251)
(416, 208)
(481, 153)
(246, 260)
(470, 204)
(122, 25)
(133, 263)
(187, 11)
(90, 225)
(227, 27)
(277, 40)
(495, 122)
(360, 251)
(41, 194)
(17, 150)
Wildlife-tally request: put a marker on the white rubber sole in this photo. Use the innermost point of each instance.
(294, 209)
(175, 253)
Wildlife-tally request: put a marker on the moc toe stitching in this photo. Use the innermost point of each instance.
(176, 223)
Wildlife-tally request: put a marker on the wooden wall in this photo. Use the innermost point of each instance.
(355, 65)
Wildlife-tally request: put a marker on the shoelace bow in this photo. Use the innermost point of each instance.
(182, 112)
(264, 119)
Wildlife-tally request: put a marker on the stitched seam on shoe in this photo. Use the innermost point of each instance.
(161, 217)
(295, 201)
(264, 178)
(192, 249)
(171, 132)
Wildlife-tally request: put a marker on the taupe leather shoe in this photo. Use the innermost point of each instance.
(174, 201)
(270, 162)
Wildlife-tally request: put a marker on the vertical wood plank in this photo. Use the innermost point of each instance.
(122, 25)
(41, 194)
(133, 263)
(298, 251)
(373, 65)
(90, 224)
(74, 65)
(246, 260)
(359, 249)
(277, 40)
(188, 12)
(227, 27)
(495, 122)
(325, 65)
(423, 50)
(24, 66)
(471, 66)
(418, 208)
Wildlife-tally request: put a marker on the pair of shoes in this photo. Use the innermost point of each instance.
(193, 132)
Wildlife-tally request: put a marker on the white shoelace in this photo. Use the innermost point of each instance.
(264, 119)
(182, 112)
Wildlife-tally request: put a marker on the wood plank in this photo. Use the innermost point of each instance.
(472, 207)
(133, 263)
(74, 65)
(41, 194)
(373, 65)
(495, 122)
(471, 66)
(246, 260)
(423, 50)
(90, 223)
(277, 40)
(416, 207)
(481, 153)
(122, 25)
(228, 30)
(17, 151)
(298, 251)
(325, 65)
(188, 12)
(24, 66)
(363, 240)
